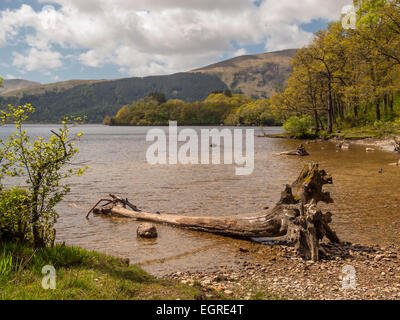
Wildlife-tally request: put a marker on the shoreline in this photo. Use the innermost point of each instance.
(281, 274)
(384, 143)
(84, 275)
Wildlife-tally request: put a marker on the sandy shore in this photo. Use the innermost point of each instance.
(278, 273)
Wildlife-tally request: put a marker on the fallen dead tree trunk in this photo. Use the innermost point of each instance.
(300, 151)
(295, 216)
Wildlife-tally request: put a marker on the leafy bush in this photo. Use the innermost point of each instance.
(14, 216)
(30, 215)
(386, 128)
(298, 126)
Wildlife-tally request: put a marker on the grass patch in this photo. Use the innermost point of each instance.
(81, 275)
(365, 132)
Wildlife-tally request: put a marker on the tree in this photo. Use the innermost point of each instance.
(344, 70)
(298, 126)
(380, 20)
(158, 96)
(45, 164)
(228, 93)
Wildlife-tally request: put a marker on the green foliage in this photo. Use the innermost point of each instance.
(349, 78)
(384, 128)
(15, 216)
(298, 126)
(159, 97)
(258, 112)
(9, 264)
(228, 93)
(217, 108)
(30, 214)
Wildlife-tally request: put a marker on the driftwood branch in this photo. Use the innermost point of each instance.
(396, 144)
(115, 201)
(295, 216)
(300, 151)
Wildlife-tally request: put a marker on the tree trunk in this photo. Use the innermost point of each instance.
(330, 109)
(355, 112)
(391, 102)
(316, 120)
(300, 151)
(377, 110)
(295, 216)
(38, 240)
(385, 103)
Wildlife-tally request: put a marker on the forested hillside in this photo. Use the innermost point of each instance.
(101, 98)
(258, 76)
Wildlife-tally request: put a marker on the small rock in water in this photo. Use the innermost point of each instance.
(147, 230)
(369, 149)
(344, 146)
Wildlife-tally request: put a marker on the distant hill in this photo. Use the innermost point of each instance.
(255, 75)
(39, 88)
(96, 99)
(258, 76)
(16, 84)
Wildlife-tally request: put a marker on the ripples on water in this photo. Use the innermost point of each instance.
(366, 209)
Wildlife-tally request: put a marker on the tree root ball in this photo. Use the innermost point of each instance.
(147, 230)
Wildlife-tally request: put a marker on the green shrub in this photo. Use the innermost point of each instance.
(298, 126)
(385, 128)
(14, 215)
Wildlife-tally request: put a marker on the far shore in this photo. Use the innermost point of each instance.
(383, 143)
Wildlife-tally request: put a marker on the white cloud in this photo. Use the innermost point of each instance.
(284, 36)
(37, 60)
(158, 36)
(239, 52)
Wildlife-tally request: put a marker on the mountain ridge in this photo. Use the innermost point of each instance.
(10, 85)
(258, 76)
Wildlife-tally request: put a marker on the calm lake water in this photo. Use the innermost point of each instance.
(366, 208)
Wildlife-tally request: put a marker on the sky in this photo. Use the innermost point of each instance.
(58, 40)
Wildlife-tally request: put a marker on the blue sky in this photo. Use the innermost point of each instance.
(57, 40)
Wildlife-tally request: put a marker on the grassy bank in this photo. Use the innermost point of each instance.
(83, 275)
(365, 132)
(356, 133)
